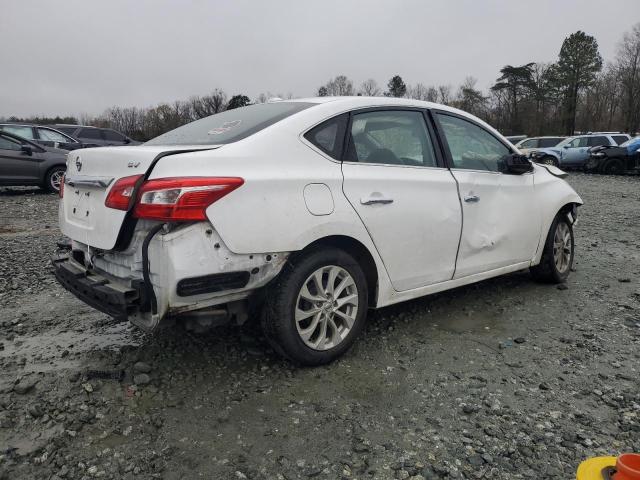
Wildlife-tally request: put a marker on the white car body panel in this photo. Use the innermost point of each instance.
(294, 195)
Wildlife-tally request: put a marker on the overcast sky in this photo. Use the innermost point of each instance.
(82, 56)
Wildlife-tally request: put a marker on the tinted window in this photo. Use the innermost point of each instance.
(9, 144)
(113, 136)
(619, 139)
(21, 131)
(90, 133)
(597, 141)
(471, 146)
(549, 142)
(51, 135)
(67, 130)
(392, 138)
(329, 135)
(231, 125)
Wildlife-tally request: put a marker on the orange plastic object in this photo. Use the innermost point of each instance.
(592, 469)
(628, 467)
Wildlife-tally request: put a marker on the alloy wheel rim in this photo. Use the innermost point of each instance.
(562, 247)
(56, 179)
(549, 161)
(326, 307)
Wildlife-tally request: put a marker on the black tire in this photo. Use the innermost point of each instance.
(549, 160)
(613, 167)
(52, 178)
(282, 300)
(547, 270)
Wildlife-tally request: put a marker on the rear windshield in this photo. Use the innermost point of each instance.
(229, 126)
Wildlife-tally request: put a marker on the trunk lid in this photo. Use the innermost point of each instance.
(91, 173)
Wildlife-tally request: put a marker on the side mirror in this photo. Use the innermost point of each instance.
(516, 164)
(127, 141)
(566, 146)
(26, 149)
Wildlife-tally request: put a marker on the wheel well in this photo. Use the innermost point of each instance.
(358, 251)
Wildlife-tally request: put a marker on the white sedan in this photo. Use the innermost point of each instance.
(307, 213)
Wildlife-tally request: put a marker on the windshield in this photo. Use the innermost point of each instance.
(231, 125)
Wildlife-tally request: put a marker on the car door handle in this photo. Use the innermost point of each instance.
(376, 201)
(472, 198)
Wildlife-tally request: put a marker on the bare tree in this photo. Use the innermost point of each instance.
(370, 88)
(628, 68)
(339, 86)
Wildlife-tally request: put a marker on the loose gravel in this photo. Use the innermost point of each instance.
(505, 379)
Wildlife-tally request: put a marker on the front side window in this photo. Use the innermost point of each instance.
(9, 144)
(531, 143)
(90, 133)
(329, 135)
(597, 141)
(67, 130)
(51, 135)
(230, 125)
(391, 138)
(471, 146)
(578, 142)
(619, 139)
(21, 131)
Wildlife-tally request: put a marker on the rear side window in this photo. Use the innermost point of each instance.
(549, 142)
(90, 133)
(21, 131)
(231, 125)
(113, 136)
(472, 147)
(619, 139)
(531, 143)
(391, 137)
(329, 135)
(597, 141)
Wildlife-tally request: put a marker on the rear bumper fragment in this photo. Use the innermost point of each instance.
(96, 290)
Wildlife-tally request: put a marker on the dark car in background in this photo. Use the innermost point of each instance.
(615, 159)
(96, 136)
(42, 135)
(24, 162)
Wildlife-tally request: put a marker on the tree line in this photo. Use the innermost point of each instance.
(577, 92)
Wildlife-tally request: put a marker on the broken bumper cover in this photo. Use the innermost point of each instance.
(96, 290)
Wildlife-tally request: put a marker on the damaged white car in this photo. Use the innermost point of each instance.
(310, 212)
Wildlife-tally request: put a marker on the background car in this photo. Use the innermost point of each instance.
(43, 135)
(23, 162)
(573, 152)
(531, 143)
(615, 160)
(322, 208)
(96, 136)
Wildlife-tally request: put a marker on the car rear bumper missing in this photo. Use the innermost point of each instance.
(96, 290)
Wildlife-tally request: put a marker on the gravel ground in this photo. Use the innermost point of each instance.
(504, 379)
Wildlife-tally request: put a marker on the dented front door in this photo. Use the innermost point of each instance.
(500, 220)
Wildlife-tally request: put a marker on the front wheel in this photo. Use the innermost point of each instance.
(557, 256)
(549, 160)
(53, 179)
(316, 307)
(613, 167)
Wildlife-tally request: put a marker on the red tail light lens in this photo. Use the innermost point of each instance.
(183, 198)
(121, 194)
(61, 191)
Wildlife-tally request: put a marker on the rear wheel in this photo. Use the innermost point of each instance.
(53, 179)
(316, 307)
(613, 167)
(557, 256)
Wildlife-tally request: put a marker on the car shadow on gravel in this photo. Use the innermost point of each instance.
(22, 191)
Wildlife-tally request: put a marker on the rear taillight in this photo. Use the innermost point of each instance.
(182, 198)
(61, 190)
(121, 194)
